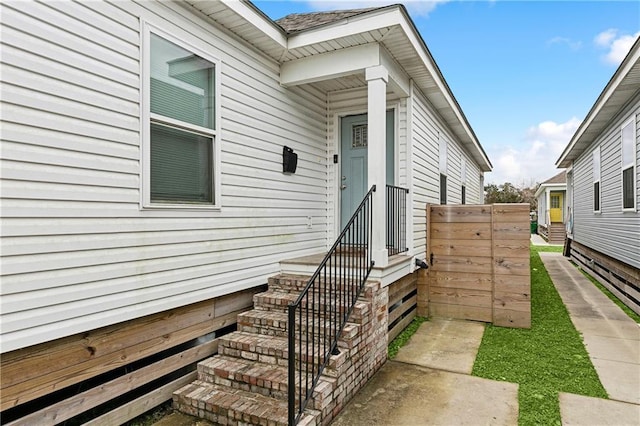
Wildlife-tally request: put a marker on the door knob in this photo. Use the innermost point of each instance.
(343, 186)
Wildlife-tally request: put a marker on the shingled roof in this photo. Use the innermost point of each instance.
(559, 178)
(297, 22)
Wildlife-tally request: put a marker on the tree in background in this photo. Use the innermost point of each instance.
(509, 193)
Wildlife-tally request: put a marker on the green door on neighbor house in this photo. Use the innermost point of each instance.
(353, 153)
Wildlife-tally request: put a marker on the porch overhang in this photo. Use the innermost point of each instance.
(550, 187)
(344, 62)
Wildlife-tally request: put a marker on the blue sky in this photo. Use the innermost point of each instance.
(524, 72)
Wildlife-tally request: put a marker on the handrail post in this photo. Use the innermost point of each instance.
(291, 382)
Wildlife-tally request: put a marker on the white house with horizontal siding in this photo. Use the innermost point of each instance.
(603, 184)
(142, 152)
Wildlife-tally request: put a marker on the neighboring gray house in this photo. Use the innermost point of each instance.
(552, 208)
(142, 168)
(603, 184)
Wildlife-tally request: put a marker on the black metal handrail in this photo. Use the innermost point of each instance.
(318, 316)
(396, 219)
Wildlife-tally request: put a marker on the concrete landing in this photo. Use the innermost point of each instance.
(585, 411)
(428, 383)
(404, 394)
(611, 338)
(447, 345)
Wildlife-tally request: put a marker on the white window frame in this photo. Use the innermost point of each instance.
(624, 166)
(596, 165)
(145, 120)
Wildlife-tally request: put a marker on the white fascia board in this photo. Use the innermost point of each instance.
(261, 22)
(550, 187)
(346, 27)
(630, 61)
(329, 65)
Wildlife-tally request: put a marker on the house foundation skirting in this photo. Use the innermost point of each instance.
(115, 373)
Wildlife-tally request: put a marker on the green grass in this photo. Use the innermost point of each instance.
(545, 360)
(402, 338)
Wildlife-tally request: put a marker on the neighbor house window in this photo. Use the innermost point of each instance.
(463, 179)
(629, 165)
(443, 170)
(443, 189)
(180, 138)
(596, 180)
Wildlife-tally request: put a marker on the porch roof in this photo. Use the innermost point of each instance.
(558, 182)
(620, 90)
(389, 26)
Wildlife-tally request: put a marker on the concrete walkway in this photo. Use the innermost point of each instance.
(537, 240)
(612, 341)
(428, 383)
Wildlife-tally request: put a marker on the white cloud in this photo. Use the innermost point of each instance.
(415, 7)
(605, 38)
(534, 160)
(617, 45)
(573, 45)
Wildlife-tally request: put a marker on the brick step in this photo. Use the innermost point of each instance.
(274, 300)
(225, 406)
(275, 323)
(296, 283)
(275, 350)
(265, 379)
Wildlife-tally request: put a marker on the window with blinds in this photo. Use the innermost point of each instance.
(628, 165)
(181, 134)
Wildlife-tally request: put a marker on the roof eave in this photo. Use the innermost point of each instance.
(259, 19)
(577, 144)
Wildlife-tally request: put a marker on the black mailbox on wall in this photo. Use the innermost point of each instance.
(289, 160)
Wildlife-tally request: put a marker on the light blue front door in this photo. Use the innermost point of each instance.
(354, 142)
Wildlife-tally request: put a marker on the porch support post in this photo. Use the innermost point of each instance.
(548, 212)
(377, 78)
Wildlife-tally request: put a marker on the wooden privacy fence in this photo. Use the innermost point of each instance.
(478, 264)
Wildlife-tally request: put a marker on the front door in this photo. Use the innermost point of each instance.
(354, 142)
(555, 210)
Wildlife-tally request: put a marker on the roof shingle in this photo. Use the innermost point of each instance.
(559, 178)
(297, 22)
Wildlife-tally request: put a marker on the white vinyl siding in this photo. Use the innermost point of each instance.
(426, 132)
(77, 251)
(614, 232)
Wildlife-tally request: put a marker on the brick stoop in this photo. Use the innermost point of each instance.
(247, 382)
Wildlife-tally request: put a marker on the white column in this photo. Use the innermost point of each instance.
(377, 78)
(547, 219)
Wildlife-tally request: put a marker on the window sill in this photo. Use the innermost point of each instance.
(185, 207)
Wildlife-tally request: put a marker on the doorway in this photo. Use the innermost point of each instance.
(353, 167)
